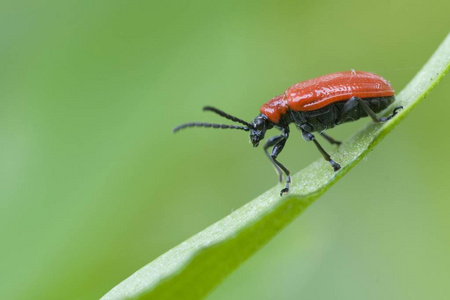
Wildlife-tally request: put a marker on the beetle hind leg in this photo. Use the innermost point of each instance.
(358, 102)
(394, 112)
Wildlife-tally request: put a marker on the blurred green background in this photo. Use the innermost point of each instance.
(94, 185)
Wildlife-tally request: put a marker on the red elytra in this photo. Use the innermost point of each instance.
(321, 91)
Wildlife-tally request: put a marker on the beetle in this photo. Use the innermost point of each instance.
(314, 105)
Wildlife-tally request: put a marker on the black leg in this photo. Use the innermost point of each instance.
(269, 143)
(275, 151)
(355, 101)
(278, 143)
(330, 139)
(308, 136)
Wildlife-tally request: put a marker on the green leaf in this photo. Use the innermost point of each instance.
(196, 266)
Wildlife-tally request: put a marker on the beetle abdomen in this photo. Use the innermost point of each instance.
(319, 92)
(333, 114)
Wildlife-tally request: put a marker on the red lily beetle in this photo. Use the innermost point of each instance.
(314, 105)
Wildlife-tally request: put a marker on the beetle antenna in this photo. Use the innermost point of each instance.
(225, 115)
(209, 125)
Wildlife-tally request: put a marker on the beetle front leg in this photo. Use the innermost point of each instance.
(308, 136)
(269, 143)
(276, 150)
(278, 143)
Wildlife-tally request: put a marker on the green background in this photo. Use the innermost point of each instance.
(94, 185)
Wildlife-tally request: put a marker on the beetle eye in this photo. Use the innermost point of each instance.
(259, 124)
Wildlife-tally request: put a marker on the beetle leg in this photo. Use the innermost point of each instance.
(276, 150)
(355, 101)
(308, 136)
(394, 112)
(330, 139)
(269, 143)
(278, 143)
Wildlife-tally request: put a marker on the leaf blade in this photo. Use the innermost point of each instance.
(193, 268)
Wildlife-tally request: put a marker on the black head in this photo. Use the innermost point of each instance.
(257, 127)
